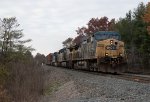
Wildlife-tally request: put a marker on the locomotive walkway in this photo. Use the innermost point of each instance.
(66, 85)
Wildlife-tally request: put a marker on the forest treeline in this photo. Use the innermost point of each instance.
(135, 32)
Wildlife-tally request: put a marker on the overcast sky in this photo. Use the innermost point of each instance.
(49, 22)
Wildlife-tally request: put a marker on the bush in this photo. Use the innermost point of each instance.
(4, 97)
(3, 78)
(25, 82)
(3, 74)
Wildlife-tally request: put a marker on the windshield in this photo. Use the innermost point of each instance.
(106, 35)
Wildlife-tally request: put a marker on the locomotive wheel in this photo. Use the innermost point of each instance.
(75, 66)
(91, 69)
(102, 67)
(96, 69)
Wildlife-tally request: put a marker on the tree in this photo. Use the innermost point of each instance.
(141, 38)
(79, 39)
(133, 30)
(81, 31)
(10, 37)
(147, 17)
(67, 42)
(40, 58)
(124, 27)
(95, 25)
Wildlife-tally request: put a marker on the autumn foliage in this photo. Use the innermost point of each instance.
(97, 24)
(147, 17)
(78, 40)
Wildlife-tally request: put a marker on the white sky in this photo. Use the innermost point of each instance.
(49, 22)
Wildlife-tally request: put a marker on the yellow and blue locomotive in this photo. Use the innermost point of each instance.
(103, 51)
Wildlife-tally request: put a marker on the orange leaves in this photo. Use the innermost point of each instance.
(147, 17)
(102, 24)
(97, 24)
(78, 39)
(148, 29)
(147, 14)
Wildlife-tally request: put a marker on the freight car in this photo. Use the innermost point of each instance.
(49, 59)
(103, 51)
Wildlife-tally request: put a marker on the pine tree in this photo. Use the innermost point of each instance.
(10, 37)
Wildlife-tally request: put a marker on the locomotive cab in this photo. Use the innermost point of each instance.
(109, 49)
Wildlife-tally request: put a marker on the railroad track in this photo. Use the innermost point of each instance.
(135, 77)
(125, 76)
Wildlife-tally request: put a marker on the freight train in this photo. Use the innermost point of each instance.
(103, 51)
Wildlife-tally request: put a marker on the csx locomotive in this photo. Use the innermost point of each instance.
(103, 51)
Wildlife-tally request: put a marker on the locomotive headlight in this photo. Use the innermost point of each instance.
(106, 54)
(111, 42)
(121, 54)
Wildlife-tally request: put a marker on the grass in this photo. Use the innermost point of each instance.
(3, 74)
(25, 82)
(53, 87)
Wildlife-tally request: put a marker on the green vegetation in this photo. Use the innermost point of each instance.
(133, 29)
(11, 47)
(21, 79)
(52, 88)
(3, 74)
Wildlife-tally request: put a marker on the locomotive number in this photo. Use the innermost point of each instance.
(111, 47)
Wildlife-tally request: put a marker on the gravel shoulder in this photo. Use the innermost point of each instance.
(66, 85)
